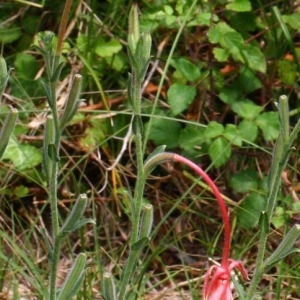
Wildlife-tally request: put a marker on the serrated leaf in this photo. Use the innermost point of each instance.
(165, 132)
(23, 156)
(244, 181)
(191, 136)
(221, 54)
(269, 124)
(287, 71)
(247, 81)
(190, 71)
(26, 65)
(293, 20)
(180, 96)
(255, 59)
(219, 151)
(245, 108)
(217, 32)
(213, 129)
(106, 49)
(239, 5)
(248, 130)
(248, 212)
(232, 134)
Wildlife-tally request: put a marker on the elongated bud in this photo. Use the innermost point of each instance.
(72, 102)
(134, 29)
(108, 287)
(146, 221)
(147, 42)
(283, 109)
(7, 129)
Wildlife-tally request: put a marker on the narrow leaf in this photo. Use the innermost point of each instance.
(9, 125)
(75, 215)
(74, 279)
(285, 246)
(108, 287)
(72, 102)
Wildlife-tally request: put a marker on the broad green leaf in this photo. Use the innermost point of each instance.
(255, 59)
(213, 129)
(244, 21)
(245, 108)
(248, 212)
(232, 134)
(217, 32)
(221, 54)
(165, 132)
(247, 81)
(82, 42)
(244, 181)
(232, 40)
(180, 96)
(106, 49)
(239, 5)
(248, 130)
(94, 135)
(287, 71)
(293, 20)
(219, 151)
(23, 156)
(9, 34)
(21, 191)
(191, 136)
(230, 95)
(190, 71)
(279, 218)
(269, 124)
(26, 65)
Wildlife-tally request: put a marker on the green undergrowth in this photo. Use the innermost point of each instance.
(216, 72)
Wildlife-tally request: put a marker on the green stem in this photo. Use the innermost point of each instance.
(139, 186)
(54, 266)
(259, 271)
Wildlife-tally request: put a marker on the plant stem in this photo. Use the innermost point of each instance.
(54, 159)
(222, 206)
(167, 156)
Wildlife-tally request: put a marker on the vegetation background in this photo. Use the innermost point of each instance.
(210, 94)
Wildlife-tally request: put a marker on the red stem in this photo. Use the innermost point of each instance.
(223, 208)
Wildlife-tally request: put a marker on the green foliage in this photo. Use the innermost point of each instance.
(180, 97)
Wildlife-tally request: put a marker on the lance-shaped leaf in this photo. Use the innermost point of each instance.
(108, 287)
(7, 129)
(74, 219)
(72, 102)
(285, 247)
(74, 279)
